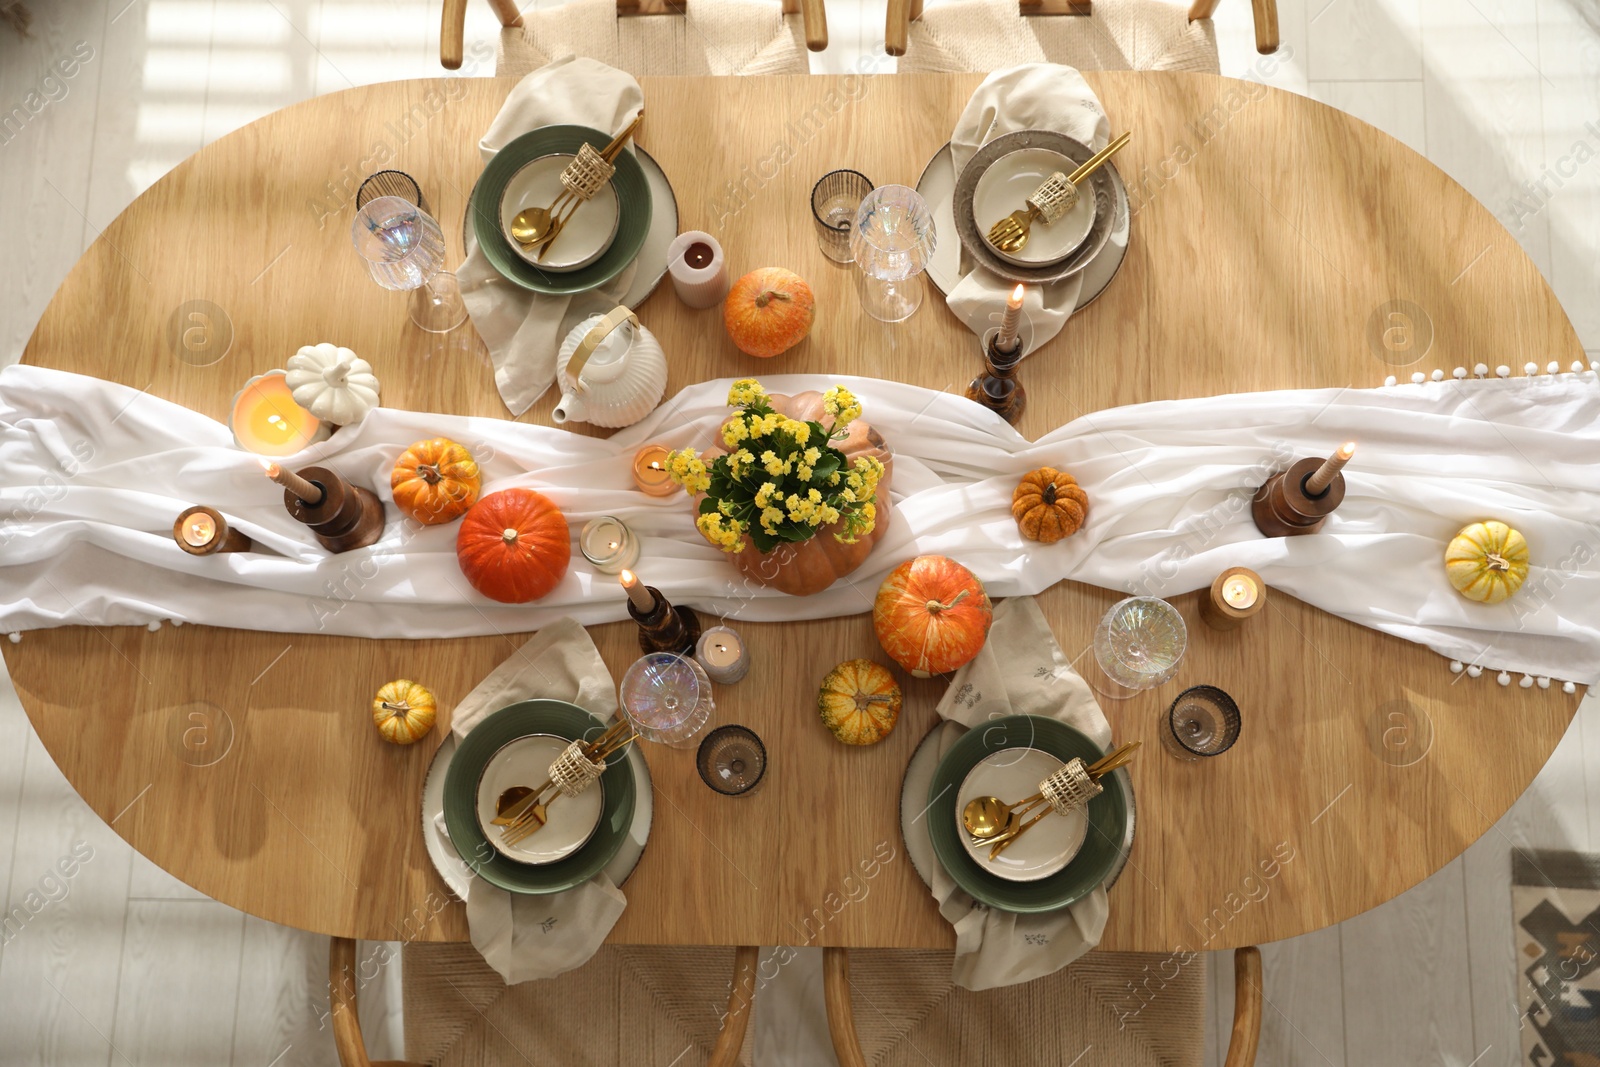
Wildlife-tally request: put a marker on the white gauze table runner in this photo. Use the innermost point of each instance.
(92, 475)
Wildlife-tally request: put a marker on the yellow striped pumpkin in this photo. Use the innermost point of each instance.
(1487, 562)
(859, 701)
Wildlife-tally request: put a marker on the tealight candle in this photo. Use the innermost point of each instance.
(266, 420)
(650, 471)
(201, 531)
(1235, 595)
(699, 273)
(723, 654)
(608, 544)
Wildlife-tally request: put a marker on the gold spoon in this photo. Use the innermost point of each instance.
(1101, 767)
(532, 224)
(992, 819)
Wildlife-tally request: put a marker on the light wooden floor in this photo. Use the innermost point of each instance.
(131, 967)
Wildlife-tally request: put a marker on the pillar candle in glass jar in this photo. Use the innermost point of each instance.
(722, 652)
(608, 544)
(267, 421)
(650, 471)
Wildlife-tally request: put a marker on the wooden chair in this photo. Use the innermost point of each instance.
(627, 1005)
(650, 37)
(1133, 1009)
(982, 35)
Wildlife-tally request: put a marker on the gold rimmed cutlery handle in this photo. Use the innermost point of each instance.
(994, 853)
(1098, 158)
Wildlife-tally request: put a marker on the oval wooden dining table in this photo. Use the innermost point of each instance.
(1271, 236)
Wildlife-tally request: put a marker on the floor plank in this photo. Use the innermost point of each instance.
(178, 983)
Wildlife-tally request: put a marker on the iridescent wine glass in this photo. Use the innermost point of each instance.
(404, 249)
(892, 242)
(667, 697)
(1139, 644)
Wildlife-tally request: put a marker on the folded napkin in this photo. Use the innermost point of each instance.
(524, 330)
(1020, 671)
(1034, 96)
(527, 937)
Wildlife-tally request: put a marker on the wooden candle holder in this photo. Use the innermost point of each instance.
(225, 540)
(346, 517)
(997, 388)
(1283, 508)
(666, 628)
(1217, 613)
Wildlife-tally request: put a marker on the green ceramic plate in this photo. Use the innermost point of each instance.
(1108, 817)
(461, 799)
(633, 200)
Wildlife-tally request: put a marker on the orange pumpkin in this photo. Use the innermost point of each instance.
(931, 615)
(810, 566)
(404, 711)
(1048, 505)
(769, 311)
(514, 546)
(859, 701)
(435, 481)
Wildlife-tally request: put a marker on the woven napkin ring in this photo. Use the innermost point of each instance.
(1054, 198)
(1070, 788)
(573, 772)
(587, 172)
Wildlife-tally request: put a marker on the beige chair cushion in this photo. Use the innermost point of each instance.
(908, 1014)
(628, 1005)
(713, 37)
(984, 35)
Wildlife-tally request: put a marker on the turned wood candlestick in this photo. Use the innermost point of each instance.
(997, 388)
(666, 628)
(346, 517)
(1283, 507)
(202, 531)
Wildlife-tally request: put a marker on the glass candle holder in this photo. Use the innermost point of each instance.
(892, 242)
(266, 420)
(667, 697)
(1139, 643)
(650, 471)
(1203, 721)
(732, 760)
(608, 544)
(835, 199)
(724, 655)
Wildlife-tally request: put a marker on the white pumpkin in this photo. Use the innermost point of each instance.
(332, 383)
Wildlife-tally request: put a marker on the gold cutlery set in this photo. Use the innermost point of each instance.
(996, 823)
(538, 227)
(1053, 199)
(521, 812)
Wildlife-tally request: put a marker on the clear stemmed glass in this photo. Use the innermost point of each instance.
(892, 242)
(404, 249)
(1139, 643)
(667, 697)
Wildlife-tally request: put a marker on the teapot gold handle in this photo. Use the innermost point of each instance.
(591, 340)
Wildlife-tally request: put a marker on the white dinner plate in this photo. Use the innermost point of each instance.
(937, 186)
(1012, 774)
(571, 821)
(588, 232)
(1006, 186)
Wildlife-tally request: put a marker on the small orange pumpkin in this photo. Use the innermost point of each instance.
(403, 711)
(513, 546)
(859, 701)
(931, 615)
(769, 311)
(1048, 505)
(435, 481)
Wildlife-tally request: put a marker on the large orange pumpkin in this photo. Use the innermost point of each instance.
(435, 481)
(769, 311)
(931, 615)
(810, 566)
(513, 546)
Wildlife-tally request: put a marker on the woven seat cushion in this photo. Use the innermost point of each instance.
(628, 1005)
(1131, 1009)
(713, 37)
(984, 35)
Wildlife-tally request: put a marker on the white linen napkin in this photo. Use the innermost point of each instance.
(1034, 96)
(527, 937)
(524, 330)
(1020, 671)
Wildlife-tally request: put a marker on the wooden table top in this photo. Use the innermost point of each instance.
(1268, 230)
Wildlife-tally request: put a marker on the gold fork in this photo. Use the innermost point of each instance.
(520, 832)
(529, 805)
(1011, 232)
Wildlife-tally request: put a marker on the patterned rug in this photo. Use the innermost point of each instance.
(1555, 899)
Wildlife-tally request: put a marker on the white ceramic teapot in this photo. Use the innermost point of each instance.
(611, 371)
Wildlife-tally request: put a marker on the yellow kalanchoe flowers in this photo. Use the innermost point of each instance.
(842, 404)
